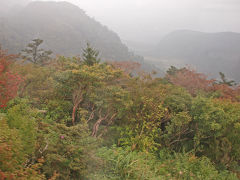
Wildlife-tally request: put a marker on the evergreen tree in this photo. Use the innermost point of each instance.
(90, 55)
(172, 71)
(225, 81)
(34, 54)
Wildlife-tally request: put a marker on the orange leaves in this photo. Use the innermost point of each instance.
(228, 92)
(195, 82)
(191, 80)
(126, 66)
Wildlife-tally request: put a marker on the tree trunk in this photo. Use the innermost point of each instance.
(96, 126)
(77, 99)
(73, 114)
(109, 123)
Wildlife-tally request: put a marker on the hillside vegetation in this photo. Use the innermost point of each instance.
(76, 104)
(76, 118)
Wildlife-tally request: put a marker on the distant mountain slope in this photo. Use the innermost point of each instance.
(208, 52)
(65, 29)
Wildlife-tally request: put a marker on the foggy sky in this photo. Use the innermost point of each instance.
(149, 20)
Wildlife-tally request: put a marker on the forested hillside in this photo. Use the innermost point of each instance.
(76, 104)
(64, 27)
(210, 53)
(77, 118)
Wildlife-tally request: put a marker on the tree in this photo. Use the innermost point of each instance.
(172, 70)
(17, 143)
(9, 81)
(33, 54)
(94, 89)
(216, 128)
(66, 151)
(90, 56)
(191, 80)
(225, 81)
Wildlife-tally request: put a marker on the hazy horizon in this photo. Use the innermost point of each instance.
(149, 20)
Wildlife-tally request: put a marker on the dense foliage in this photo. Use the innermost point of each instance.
(77, 118)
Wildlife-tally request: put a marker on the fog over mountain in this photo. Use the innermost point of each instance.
(210, 53)
(64, 27)
(6, 6)
(149, 20)
(149, 28)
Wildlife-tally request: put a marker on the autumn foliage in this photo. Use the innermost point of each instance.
(228, 92)
(78, 118)
(126, 66)
(191, 80)
(195, 82)
(9, 81)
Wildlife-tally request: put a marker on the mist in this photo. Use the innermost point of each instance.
(203, 34)
(149, 20)
(119, 89)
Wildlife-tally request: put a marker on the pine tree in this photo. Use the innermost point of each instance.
(90, 56)
(225, 81)
(33, 54)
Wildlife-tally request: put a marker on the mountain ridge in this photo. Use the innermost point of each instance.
(65, 29)
(209, 53)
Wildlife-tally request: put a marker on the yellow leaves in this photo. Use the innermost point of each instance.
(97, 72)
(215, 126)
(237, 125)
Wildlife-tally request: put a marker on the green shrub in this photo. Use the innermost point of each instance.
(66, 152)
(23, 118)
(119, 163)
